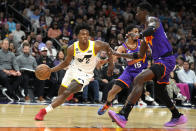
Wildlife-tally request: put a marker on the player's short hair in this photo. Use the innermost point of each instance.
(80, 27)
(130, 27)
(145, 6)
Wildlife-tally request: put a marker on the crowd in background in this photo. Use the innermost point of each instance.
(56, 19)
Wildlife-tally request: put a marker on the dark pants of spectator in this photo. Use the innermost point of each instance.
(26, 77)
(51, 83)
(60, 75)
(191, 89)
(105, 88)
(93, 85)
(10, 82)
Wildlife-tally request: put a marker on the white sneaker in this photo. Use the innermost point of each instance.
(154, 103)
(181, 97)
(4, 92)
(141, 103)
(148, 98)
(115, 101)
(187, 103)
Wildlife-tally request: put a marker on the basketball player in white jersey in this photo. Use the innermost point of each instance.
(83, 58)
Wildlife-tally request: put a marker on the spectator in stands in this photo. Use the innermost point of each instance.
(12, 48)
(52, 52)
(51, 83)
(60, 58)
(64, 44)
(35, 16)
(94, 86)
(9, 72)
(39, 40)
(18, 34)
(12, 24)
(5, 31)
(48, 17)
(35, 50)
(3, 19)
(173, 89)
(54, 32)
(27, 65)
(187, 76)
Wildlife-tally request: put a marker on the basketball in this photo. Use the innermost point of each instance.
(43, 72)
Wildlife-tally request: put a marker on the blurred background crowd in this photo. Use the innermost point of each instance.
(34, 32)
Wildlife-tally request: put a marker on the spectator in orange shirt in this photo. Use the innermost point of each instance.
(54, 32)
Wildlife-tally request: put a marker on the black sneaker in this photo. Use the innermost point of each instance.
(7, 94)
(16, 98)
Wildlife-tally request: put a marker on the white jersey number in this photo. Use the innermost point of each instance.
(138, 65)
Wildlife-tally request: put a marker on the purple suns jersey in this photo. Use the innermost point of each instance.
(158, 43)
(139, 66)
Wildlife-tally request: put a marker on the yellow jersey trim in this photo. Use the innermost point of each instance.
(64, 85)
(86, 49)
(74, 48)
(77, 81)
(94, 48)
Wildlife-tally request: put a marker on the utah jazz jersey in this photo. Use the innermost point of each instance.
(139, 66)
(84, 60)
(158, 43)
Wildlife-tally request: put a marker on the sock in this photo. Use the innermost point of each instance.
(175, 112)
(126, 110)
(49, 108)
(108, 103)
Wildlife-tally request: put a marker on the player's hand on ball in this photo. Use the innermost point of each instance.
(43, 72)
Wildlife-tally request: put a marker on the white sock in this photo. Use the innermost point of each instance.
(49, 108)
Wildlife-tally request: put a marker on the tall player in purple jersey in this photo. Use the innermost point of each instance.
(132, 45)
(154, 36)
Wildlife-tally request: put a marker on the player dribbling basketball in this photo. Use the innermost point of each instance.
(83, 52)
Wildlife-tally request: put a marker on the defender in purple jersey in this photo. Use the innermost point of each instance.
(131, 45)
(154, 35)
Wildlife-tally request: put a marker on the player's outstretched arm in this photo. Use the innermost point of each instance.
(100, 45)
(139, 55)
(66, 62)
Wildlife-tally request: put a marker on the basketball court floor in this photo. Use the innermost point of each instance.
(83, 117)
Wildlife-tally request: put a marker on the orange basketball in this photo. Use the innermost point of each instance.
(43, 72)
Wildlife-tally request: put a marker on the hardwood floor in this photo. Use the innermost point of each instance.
(86, 118)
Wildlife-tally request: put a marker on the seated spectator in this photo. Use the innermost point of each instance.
(51, 83)
(60, 58)
(18, 34)
(173, 89)
(93, 85)
(27, 65)
(9, 72)
(51, 53)
(64, 44)
(12, 48)
(187, 76)
(5, 31)
(41, 43)
(54, 32)
(35, 50)
(11, 23)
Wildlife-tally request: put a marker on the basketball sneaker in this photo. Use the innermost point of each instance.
(119, 119)
(176, 121)
(40, 115)
(102, 109)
